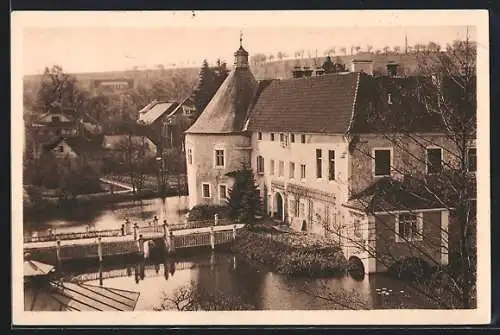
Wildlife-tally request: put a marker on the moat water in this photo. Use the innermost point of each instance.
(218, 271)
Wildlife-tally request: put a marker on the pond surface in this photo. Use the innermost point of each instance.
(264, 290)
(108, 216)
(219, 271)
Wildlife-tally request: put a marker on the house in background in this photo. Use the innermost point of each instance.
(167, 122)
(76, 151)
(64, 122)
(120, 142)
(326, 158)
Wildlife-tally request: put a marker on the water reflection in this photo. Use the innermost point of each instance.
(108, 216)
(226, 273)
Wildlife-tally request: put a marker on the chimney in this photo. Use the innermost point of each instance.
(298, 72)
(307, 71)
(365, 66)
(392, 69)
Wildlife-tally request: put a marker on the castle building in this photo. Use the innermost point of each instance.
(216, 143)
(320, 147)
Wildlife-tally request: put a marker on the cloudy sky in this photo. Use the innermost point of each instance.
(123, 45)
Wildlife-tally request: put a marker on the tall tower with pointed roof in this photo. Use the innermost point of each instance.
(216, 143)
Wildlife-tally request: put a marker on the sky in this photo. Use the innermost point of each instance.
(87, 48)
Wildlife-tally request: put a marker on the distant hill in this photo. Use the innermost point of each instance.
(141, 76)
(282, 69)
(275, 69)
(278, 69)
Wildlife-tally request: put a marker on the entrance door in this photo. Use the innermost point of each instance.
(279, 207)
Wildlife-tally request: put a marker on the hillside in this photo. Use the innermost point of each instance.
(177, 83)
(275, 69)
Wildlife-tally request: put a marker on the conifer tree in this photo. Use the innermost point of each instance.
(204, 90)
(244, 197)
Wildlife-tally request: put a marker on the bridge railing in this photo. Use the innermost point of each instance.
(152, 227)
(44, 237)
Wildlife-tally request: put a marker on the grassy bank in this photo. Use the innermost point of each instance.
(289, 253)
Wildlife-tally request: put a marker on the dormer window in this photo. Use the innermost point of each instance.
(56, 119)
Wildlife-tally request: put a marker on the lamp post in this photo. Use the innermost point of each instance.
(161, 179)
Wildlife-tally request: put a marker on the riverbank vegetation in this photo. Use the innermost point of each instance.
(290, 253)
(207, 212)
(193, 297)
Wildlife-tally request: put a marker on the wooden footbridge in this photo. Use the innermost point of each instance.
(130, 239)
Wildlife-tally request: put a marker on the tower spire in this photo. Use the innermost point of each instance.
(241, 55)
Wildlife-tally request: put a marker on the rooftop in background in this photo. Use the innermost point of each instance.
(154, 110)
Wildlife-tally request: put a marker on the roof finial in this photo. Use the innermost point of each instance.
(241, 38)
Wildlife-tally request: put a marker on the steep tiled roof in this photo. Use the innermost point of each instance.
(316, 104)
(151, 114)
(227, 110)
(392, 104)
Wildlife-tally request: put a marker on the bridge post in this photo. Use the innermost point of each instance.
(127, 226)
(135, 231)
(172, 242)
(216, 219)
(212, 238)
(99, 249)
(141, 244)
(123, 229)
(58, 251)
(234, 232)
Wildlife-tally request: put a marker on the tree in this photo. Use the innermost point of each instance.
(369, 48)
(204, 90)
(193, 297)
(244, 197)
(258, 58)
(61, 89)
(451, 95)
(357, 48)
(343, 50)
(132, 155)
(433, 47)
(281, 55)
(444, 94)
(397, 49)
(270, 57)
(386, 49)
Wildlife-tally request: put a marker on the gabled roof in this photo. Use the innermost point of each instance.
(152, 112)
(316, 104)
(78, 144)
(387, 194)
(227, 110)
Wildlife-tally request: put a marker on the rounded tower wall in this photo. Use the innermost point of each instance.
(204, 166)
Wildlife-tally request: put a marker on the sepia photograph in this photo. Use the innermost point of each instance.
(288, 167)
